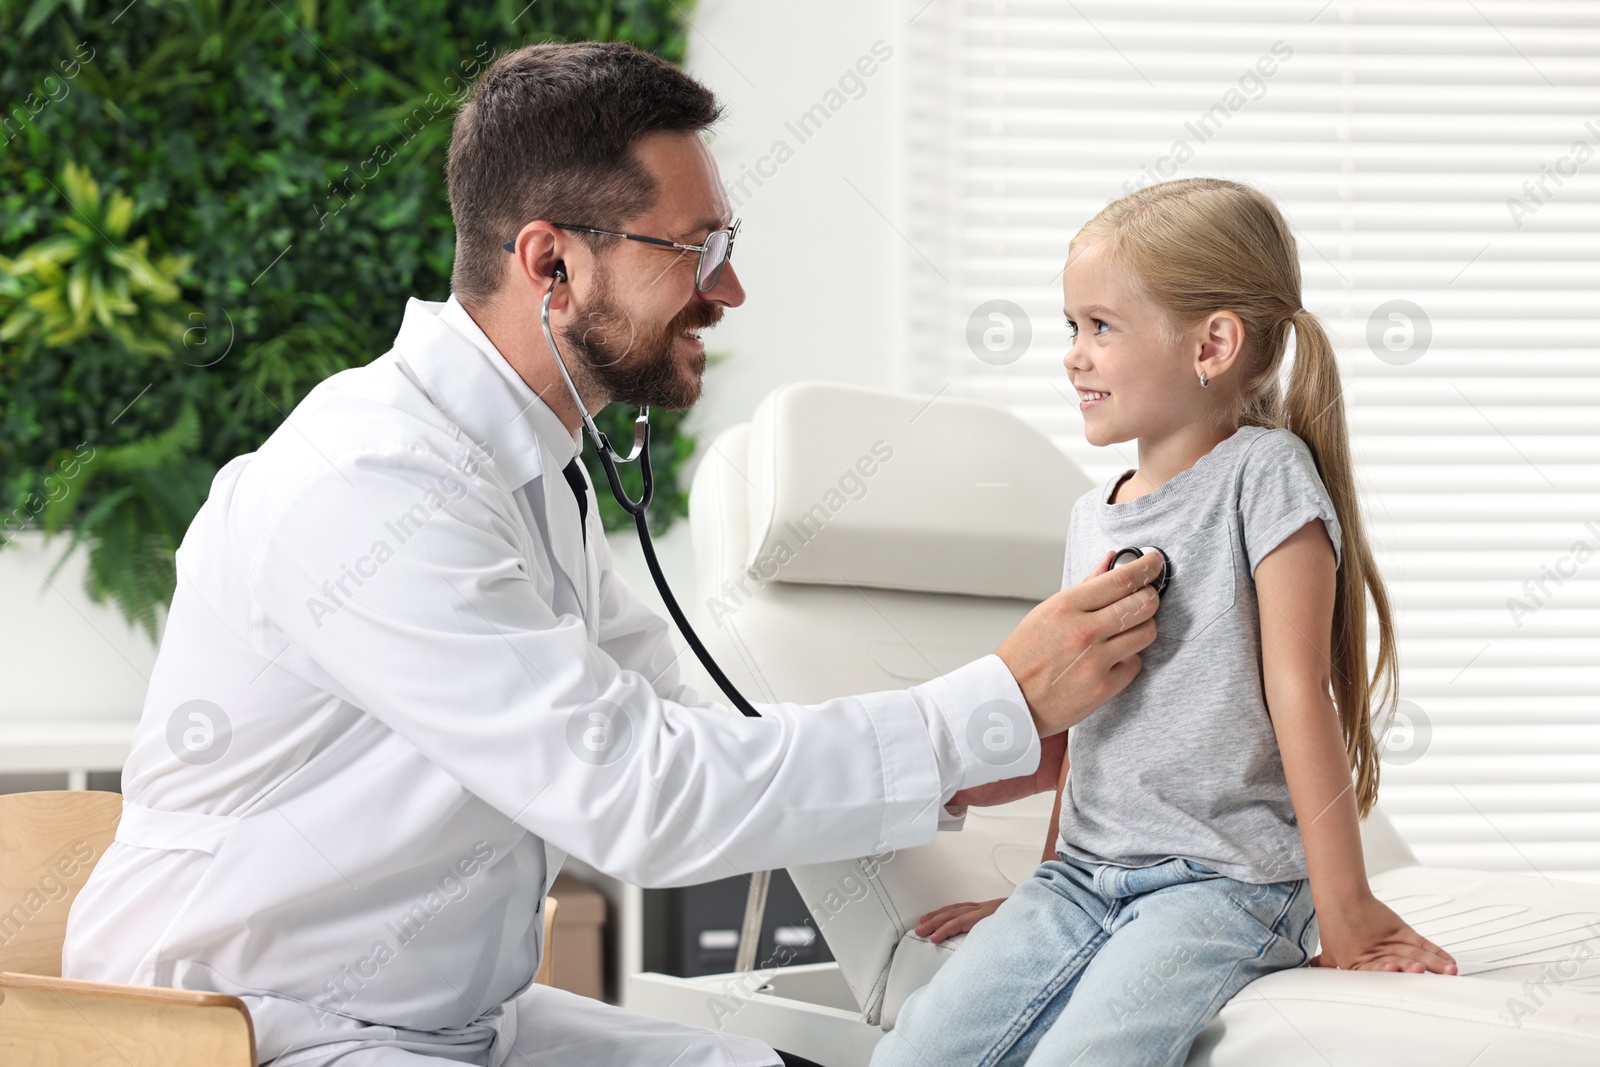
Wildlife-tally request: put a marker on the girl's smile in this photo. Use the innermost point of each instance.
(1090, 398)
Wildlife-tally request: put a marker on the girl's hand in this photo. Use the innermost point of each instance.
(1052, 750)
(1369, 936)
(953, 919)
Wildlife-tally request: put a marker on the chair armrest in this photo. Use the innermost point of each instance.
(46, 1021)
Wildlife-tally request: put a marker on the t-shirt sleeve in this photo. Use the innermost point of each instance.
(1280, 492)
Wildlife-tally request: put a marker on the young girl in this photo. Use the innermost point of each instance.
(1206, 828)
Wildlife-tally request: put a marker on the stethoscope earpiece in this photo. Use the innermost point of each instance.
(1129, 554)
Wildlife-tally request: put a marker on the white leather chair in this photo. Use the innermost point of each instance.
(849, 540)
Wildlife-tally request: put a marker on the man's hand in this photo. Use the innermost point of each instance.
(1081, 647)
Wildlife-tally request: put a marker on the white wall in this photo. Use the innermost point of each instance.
(75, 671)
(820, 264)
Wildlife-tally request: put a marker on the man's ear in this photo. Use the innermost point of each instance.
(1221, 344)
(538, 252)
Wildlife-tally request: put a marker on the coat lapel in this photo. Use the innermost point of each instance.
(566, 540)
(473, 385)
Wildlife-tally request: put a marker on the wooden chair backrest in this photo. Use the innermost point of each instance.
(49, 842)
(59, 1022)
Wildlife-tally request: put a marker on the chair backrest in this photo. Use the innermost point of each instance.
(819, 584)
(49, 842)
(58, 1022)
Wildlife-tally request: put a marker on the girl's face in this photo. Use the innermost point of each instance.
(1133, 379)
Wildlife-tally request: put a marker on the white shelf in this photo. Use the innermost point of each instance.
(67, 745)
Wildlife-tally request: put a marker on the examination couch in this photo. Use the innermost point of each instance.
(849, 540)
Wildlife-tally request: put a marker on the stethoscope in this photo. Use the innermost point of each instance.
(609, 458)
(1127, 555)
(640, 452)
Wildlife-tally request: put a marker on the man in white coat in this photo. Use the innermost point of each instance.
(367, 743)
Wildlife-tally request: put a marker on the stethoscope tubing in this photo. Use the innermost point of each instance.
(639, 509)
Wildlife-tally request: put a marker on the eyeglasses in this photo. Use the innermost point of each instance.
(714, 253)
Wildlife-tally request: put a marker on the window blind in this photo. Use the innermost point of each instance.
(1440, 164)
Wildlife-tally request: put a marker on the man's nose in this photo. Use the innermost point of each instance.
(727, 292)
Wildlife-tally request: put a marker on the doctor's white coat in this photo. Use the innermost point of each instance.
(395, 690)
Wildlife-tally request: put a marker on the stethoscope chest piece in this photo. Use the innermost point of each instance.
(1129, 554)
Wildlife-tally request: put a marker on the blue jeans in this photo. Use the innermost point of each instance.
(1090, 963)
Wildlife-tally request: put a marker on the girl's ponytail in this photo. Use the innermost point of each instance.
(1314, 410)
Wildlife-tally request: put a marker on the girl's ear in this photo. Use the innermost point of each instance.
(1221, 344)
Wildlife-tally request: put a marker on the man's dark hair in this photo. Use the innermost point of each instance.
(548, 133)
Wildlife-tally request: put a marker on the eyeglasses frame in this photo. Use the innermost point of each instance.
(662, 242)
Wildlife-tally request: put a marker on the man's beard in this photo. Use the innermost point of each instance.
(631, 366)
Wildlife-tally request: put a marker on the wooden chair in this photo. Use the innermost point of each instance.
(60, 1022)
(49, 842)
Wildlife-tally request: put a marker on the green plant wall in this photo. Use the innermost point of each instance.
(207, 207)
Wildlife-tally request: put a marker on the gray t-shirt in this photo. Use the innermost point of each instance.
(1184, 764)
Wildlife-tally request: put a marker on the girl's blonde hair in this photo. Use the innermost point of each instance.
(1196, 246)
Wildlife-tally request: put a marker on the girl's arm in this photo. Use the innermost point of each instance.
(953, 919)
(1295, 586)
(1055, 813)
